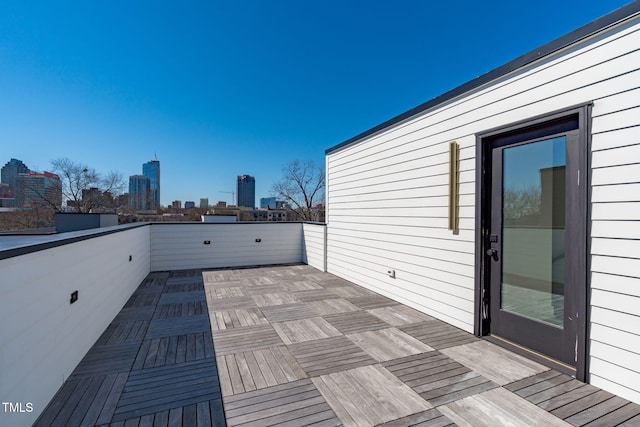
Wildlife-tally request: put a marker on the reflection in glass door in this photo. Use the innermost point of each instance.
(533, 230)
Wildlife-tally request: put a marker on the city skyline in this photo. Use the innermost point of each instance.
(237, 88)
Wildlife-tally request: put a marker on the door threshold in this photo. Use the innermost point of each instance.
(533, 355)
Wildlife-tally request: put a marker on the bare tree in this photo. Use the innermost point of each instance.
(302, 188)
(84, 187)
(522, 204)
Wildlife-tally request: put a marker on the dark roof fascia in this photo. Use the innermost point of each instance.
(41, 246)
(560, 43)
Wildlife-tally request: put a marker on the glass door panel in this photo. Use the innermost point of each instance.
(533, 230)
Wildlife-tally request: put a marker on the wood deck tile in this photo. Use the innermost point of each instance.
(238, 340)
(581, 404)
(181, 297)
(226, 304)
(428, 418)
(372, 301)
(355, 321)
(437, 378)
(493, 362)
(263, 289)
(313, 328)
(254, 370)
(314, 295)
(263, 300)
(143, 300)
(174, 349)
(388, 344)
(191, 286)
(305, 285)
(107, 359)
(237, 318)
(596, 412)
(332, 306)
(120, 332)
(157, 389)
(178, 326)
(368, 395)
(296, 403)
(497, 407)
(190, 308)
(225, 292)
(399, 315)
(438, 334)
(351, 291)
(319, 357)
(287, 312)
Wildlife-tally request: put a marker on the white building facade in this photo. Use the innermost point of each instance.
(544, 251)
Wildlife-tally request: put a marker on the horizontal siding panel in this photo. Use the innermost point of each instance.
(619, 101)
(614, 319)
(615, 337)
(402, 203)
(620, 284)
(616, 193)
(342, 221)
(617, 120)
(616, 156)
(616, 175)
(438, 232)
(616, 138)
(389, 257)
(616, 229)
(616, 211)
(379, 237)
(615, 247)
(616, 356)
(401, 248)
(619, 266)
(619, 302)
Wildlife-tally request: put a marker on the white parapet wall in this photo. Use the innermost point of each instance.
(177, 246)
(314, 248)
(43, 336)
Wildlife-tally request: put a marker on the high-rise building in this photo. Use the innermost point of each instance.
(271, 203)
(38, 189)
(139, 192)
(246, 190)
(151, 170)
(10, 172)
(189, 204)
(204, 203)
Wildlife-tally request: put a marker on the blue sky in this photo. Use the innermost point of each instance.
(219, 89)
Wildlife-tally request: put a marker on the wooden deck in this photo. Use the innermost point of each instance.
(294, 346)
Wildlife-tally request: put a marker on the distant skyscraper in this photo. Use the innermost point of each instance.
(10, 173)
(139, 192)
(246, 189)
(38, 189)
(189, 205)
(204, 203)
(151, 170)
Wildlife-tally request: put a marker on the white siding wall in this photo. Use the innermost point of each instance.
(43, 337)
(387, 196)
(181, 246)
(313, 248)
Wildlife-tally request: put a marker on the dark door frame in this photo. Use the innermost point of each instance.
(521, 130)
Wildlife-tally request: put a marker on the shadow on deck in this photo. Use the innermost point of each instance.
(295, 346)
